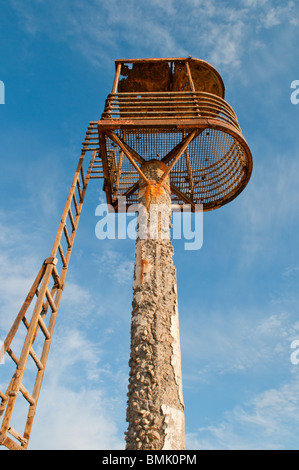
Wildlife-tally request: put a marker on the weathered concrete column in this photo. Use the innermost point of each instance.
(155, 411)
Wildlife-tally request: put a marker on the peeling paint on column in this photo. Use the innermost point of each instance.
(176, 347)
(155, 411)
(174, 427)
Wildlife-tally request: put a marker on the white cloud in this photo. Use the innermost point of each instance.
(69, 419)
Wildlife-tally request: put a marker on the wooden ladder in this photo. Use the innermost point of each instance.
(43, 300)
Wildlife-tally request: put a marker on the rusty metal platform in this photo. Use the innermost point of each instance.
(154, 106)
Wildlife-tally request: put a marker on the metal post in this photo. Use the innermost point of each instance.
(155, 411)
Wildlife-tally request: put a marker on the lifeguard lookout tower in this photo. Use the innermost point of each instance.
(166, 137)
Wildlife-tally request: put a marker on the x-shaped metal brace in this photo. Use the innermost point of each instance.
(172, 157)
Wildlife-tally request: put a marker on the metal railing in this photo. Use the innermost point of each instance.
(169, 105)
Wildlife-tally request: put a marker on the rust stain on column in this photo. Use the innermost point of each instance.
(155, 411)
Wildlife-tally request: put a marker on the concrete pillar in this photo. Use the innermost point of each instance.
(155, 411)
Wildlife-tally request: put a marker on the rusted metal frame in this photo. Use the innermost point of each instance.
(166, 59)
(217, 188)
(152, 100)
(192, 87)
(46, 306)
(132, 189)
(76, 220)
(130, 107)
(62, 224)
(168, 105)
(191, 184)
(22, 312)
(127, 194)
(182, 196)
(158, 113)
(183, 147)
(229, 197)
(116, 79)
(114, 89)
(232, 185)
(218, 113)
(16, 382)
(206, 112)
(107, 183)
(212, 100)
(214, 187)
(159, 94)
(9, 443)
(220, 164)
(49, 330)
(130, 154)
(51, 325)
(216, 101)
(176, 149)
(124, 146)
(116, 186)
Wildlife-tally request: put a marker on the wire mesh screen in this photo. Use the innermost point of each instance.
(212, 170)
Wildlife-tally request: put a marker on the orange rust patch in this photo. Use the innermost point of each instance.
(156, 190)
(144, 268)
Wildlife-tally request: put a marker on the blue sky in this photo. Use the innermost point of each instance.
(238, 294)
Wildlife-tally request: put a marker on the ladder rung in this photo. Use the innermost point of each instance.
(62, 256)
(37, 294)
(82, 176)
(96, 177)
(17, 435)
(13, 356)
(51, 301)
(25, 321)
(32, 353)
(71, 219)
(56, 277)
(75, 203)
(3, 396)
(27, 395)
(44, 328)
(67, 236)
(79, 189)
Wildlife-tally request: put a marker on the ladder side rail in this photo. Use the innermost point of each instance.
(19, 372)
(45, 299)
(46, 348)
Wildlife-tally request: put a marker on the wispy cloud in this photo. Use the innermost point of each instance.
(228, 343)
(116, 266)
(75, 410)
(219, 31)
(268, 421)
